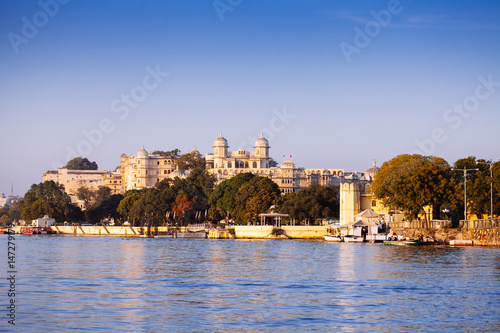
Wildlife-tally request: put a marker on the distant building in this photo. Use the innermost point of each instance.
(7, 201)
(225, 164)
(43, 222)
(146, 169)
(113, 180)
(73, 179)
(355, 197)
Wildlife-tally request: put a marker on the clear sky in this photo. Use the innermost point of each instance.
(335, 84)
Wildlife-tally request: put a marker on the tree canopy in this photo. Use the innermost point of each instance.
(313, 202)
(411, 182)
(48, 198)
(253, 198)
(222, 199)
(190, 161)
(81, 163)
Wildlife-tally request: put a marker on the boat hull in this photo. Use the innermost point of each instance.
(333, 238)
(354, 239)
(402, 242)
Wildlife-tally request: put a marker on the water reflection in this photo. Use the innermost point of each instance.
(109, 284)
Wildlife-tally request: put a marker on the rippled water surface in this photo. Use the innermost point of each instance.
(181, 285)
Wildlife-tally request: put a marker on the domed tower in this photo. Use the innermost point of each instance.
(262, 147)
(371, 172)
(220, 151)
(220, 146)
(142, 168)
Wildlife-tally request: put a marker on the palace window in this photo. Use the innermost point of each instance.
(255, 165)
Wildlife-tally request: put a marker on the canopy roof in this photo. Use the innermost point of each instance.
(361, 223)
(367, 213)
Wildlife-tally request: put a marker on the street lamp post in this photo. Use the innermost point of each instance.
(465, 187)
(491, 185)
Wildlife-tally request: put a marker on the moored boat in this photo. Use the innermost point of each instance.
(332, 238)
(401, 242)
(353, 239)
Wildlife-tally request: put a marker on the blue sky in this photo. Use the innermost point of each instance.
(325, 81)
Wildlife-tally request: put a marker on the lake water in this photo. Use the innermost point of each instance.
(66, 283)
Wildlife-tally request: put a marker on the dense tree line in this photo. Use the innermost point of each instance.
(406, 182)
(81, 163)
(411, 182)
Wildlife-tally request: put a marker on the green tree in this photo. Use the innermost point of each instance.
(313, 202)
(107, 208)
(102, 194)
(4, 220)
(79, 163)
(411, 182)
(170, 154)
(190, 161)
(496, 188)
(254, 197)
(478, 187)
(85, 194)
(222, 199)
(48, 198)
(127, 202)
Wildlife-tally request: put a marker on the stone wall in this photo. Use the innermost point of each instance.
(482, 237)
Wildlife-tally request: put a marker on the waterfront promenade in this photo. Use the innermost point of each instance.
(480, 232)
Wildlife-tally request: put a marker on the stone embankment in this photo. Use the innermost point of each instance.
(480, 232)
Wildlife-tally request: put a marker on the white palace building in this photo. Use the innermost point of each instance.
(226, 164)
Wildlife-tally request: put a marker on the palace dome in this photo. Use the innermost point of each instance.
(220, 141)
(177, 173)
(142, 153)
(371, 172)
(261, 142)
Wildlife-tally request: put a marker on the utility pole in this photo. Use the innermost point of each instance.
(491, 185)
(465, 187)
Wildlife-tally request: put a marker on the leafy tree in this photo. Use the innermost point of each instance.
(313, 202)
(79, 163)
(48, 198)
(14, 211)
(183, 207)
(190, 161)
(102, 194)
(412, 182)
(105, 209)
(172, 153)
(254, 197)
(478, 187)
(496, 188)
(4, 220)
(126, 203)
(222, 199)
(85, 194)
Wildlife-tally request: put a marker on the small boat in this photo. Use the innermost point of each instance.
(332, 238)
(401, 242)
(26, 231)
(353, 239)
